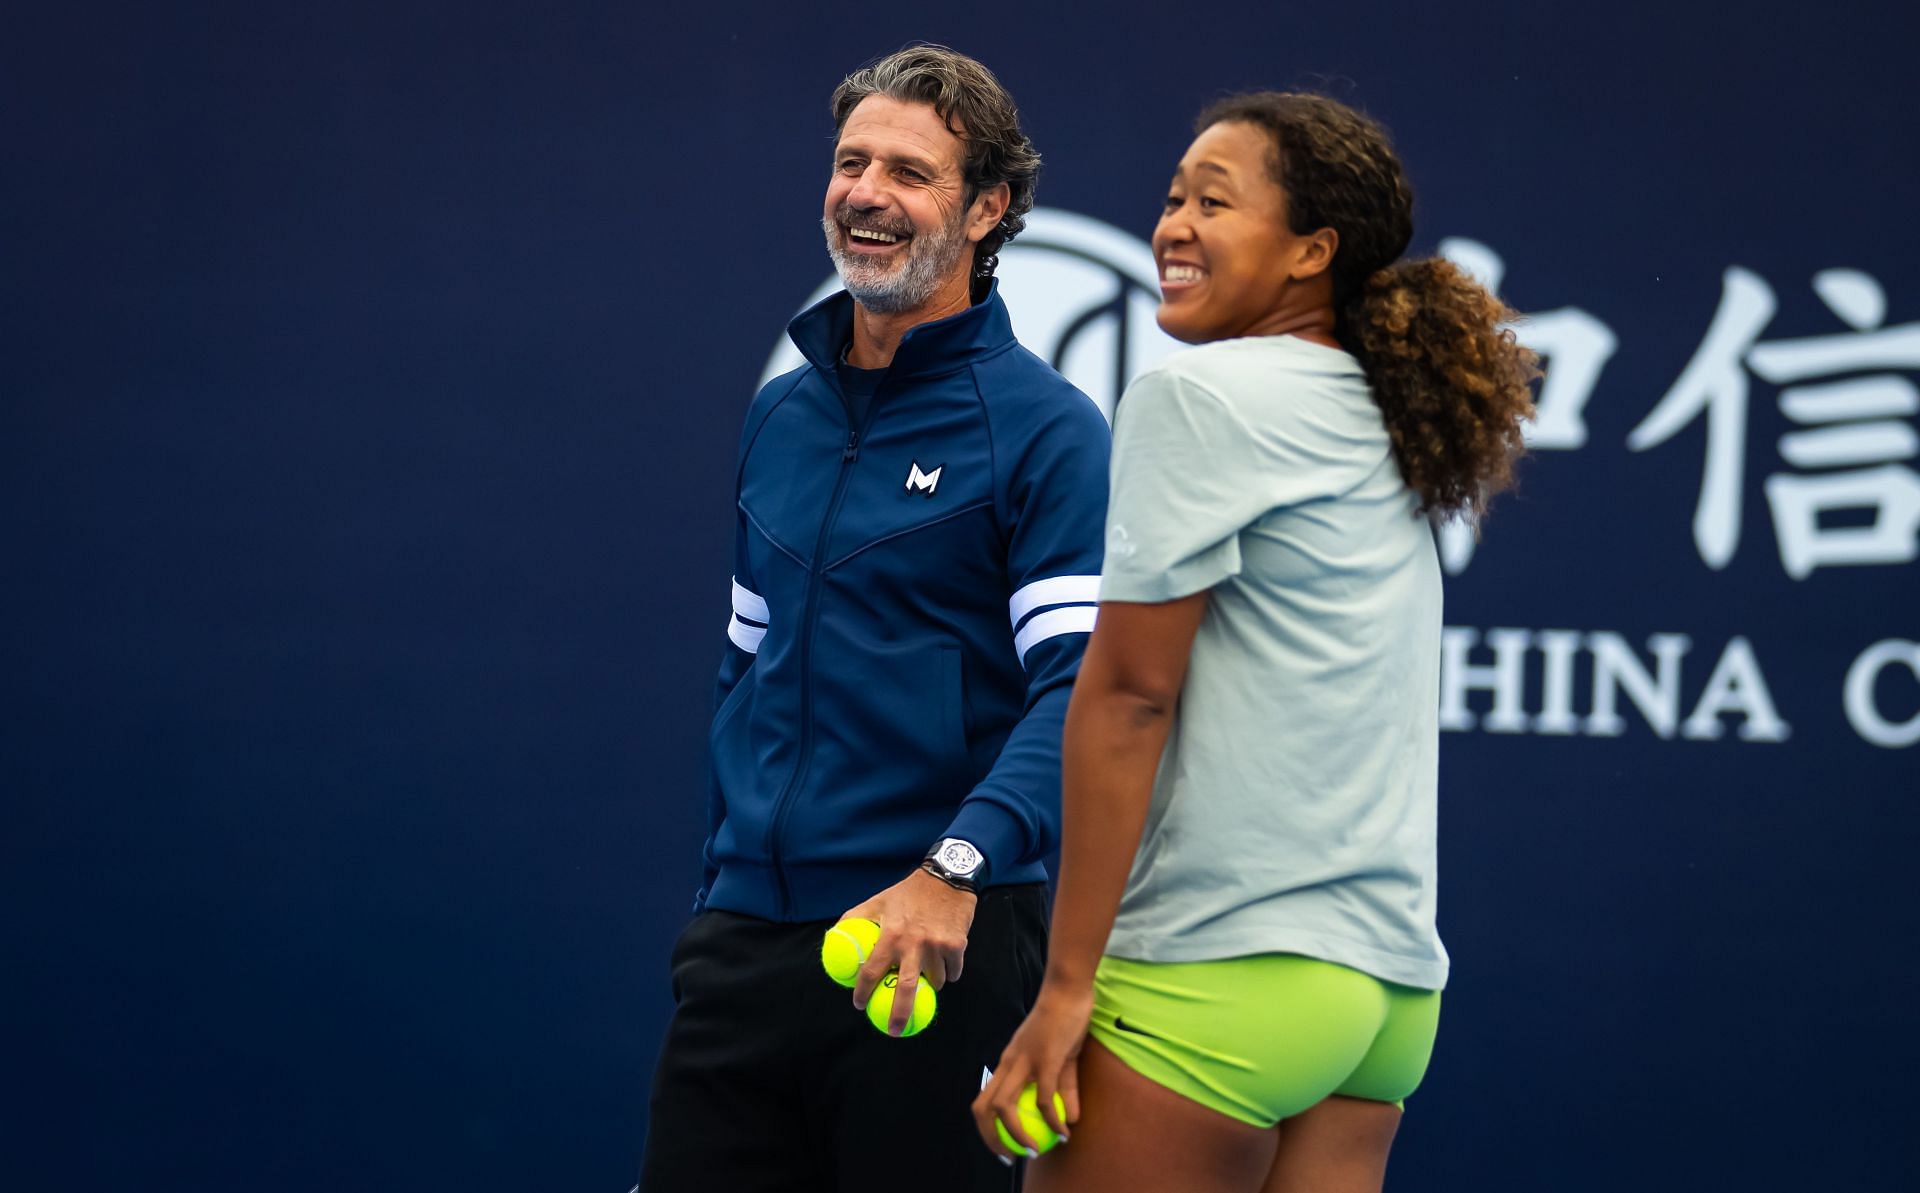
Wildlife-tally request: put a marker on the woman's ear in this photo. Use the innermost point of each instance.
(1316, 254)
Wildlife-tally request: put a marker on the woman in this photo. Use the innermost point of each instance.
(1250, 753)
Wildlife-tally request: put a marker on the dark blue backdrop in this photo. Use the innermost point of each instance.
(370, 384)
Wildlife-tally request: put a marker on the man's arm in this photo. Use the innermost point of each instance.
(747, 624)
(1057, 506)
(745, 628)
(1055, 502)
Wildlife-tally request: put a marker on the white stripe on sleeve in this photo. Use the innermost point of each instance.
(1074, 619)
(749, 604)
(745, 636)
(1057, 590)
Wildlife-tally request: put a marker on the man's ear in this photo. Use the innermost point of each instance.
(1316, 254)
(989, 208)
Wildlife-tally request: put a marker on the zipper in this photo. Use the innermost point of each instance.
(816, 574)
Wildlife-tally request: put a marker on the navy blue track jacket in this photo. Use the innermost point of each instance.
(911, 599)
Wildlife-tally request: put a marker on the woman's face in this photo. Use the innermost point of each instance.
(1225, 254)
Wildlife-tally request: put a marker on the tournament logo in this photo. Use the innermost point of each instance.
(1082, 295)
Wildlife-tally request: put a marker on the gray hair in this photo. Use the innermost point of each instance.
(977, 109)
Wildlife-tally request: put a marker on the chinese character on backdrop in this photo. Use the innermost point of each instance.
(1854, 500)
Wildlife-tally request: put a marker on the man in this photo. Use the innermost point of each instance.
(917, 559)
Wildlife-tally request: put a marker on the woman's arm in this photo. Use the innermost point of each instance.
(1116, 728)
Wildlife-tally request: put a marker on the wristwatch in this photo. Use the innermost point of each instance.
(959, 864)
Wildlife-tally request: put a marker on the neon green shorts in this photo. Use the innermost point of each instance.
(1262, 1038)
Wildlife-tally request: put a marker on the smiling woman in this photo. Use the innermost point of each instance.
(1244, 975)
(1290, 213)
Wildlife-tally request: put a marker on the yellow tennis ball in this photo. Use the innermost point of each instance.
(846, 947)
(880, 1006)
(1033, 1122)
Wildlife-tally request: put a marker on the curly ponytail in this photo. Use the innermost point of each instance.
(1452, 383)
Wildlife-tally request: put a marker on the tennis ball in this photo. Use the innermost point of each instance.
(1033, 1122)
(846, 947)
(880, 1006)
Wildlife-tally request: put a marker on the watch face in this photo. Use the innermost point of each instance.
(959, 857)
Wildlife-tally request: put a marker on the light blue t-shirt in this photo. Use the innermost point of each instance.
(1294, 808)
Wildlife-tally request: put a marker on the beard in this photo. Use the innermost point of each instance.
(893, 286)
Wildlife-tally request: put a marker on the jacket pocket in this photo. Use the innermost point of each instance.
(736, 769)
(953, 728)
(731, 705)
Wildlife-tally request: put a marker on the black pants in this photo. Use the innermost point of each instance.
(771, 1082)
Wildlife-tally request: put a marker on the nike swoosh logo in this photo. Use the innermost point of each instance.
(1120, 1024)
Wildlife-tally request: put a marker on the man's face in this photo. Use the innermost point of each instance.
(896, 216)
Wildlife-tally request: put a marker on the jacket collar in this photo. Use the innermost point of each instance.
(822, 331)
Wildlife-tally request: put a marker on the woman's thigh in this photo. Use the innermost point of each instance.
(1140, 1137)
(1338, 1145)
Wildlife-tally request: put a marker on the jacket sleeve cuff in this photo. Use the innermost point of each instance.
(994, 830)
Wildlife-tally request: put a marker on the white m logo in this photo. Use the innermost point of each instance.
(923, 482)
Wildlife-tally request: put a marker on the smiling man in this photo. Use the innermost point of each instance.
(916, 565)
